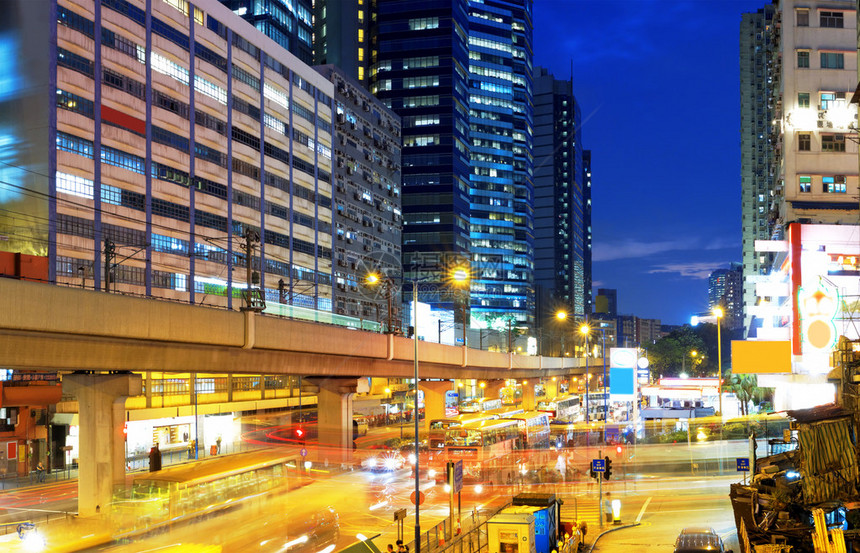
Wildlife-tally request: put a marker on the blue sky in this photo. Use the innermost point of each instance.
(658, 85)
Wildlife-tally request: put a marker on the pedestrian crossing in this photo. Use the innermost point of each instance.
(576, 510)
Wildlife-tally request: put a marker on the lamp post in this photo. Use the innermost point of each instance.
(719, 313)
(458, 276)
(374, 279)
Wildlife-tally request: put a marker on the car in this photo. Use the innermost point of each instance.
(383, 459)
(699, 539)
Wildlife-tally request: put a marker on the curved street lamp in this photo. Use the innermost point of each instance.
(718, 311)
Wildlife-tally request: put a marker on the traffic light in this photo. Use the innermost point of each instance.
(300, 434)
(592, 473)
(608, 471)
(619, 450)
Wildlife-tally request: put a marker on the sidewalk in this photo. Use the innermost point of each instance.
(8, 482)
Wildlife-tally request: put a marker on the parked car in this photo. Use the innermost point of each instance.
(699, 539)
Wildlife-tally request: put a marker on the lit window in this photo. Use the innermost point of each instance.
(806, 184)
(834, 185)
(361, 35)
(361, 54)
(803, 99)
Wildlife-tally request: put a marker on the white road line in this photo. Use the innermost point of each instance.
(642, 510)
(690, 510)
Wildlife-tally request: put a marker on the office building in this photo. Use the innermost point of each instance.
(560, 228)
(342, 36)
(290, 23)
(586, 221)
(635, 332)
(181, 144)
(420, 72)
(501, 154)
(607, 302)
(367, 214)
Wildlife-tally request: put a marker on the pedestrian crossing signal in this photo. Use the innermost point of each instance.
(608, 472)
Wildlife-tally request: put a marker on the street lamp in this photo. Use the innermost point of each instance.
(374, 279)
(718, 311)
(561, 316)
(458, 276)
(586, 330)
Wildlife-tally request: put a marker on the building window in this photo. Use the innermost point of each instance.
(803, 58)
(423, 23)
(806, 184)
(832, 60)
(804, 142)
(803, 99)
(834, 185)
(802, 17)
(832, 143)
(831, 19)
(826, 99)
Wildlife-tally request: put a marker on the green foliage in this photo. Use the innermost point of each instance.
(672, 354)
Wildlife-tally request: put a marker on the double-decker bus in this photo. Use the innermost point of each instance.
(481, 405)
(183, 492)
(564, 408)
(533, 427)
(597, 403)
(439, 427)
(487, 449)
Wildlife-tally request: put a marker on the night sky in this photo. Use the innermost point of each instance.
(658, 85)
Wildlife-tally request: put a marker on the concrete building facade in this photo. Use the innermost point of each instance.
(177, 139)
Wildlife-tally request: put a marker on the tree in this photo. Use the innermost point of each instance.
(670, 353)
(745, 387)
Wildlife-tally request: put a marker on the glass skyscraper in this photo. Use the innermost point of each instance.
(501, 154)
(287, 22)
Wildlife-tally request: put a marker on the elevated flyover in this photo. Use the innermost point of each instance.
(106, 340)
(55, 328)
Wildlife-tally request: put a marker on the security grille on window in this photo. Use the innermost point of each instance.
(831, 19)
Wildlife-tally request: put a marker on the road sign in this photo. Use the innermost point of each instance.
(400, 514)
(458, 476)
(598, 465)
(420, 498)
(304, 452)
(743, 464)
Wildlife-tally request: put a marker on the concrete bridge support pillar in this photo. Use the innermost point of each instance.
(334, 418)
(494, 388)
(529, 402)
(550, 386)
(101, 408)
(434, 399)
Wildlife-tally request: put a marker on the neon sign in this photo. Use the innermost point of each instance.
(817, 309)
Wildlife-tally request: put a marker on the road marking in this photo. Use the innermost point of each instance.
(642, 510)
(690, 510)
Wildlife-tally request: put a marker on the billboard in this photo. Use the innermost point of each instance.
(622, 373)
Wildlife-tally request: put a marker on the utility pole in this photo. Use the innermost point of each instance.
(509, 336)
(109, 256)
(253, 301)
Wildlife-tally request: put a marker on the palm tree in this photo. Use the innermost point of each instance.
(745, 388)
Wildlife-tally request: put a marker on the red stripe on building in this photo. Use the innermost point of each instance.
(123, 120)
(794, 248)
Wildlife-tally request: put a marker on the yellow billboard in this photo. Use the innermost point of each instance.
(761, 357)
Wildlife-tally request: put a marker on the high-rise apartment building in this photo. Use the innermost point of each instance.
(798, 59)
(758, 181)
(725, 291)
(290, 23)
(181, 144)
(560, 225)
(586, 213)
(367, 214)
